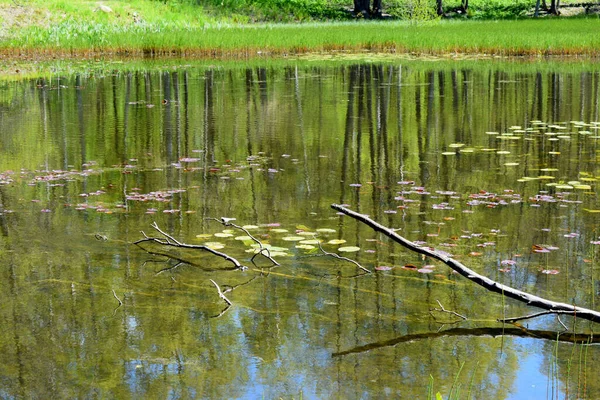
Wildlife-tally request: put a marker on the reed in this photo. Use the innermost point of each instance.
(504, 38)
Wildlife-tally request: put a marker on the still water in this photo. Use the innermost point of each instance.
(495, 163)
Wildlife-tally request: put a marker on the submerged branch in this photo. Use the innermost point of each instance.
(262, 250)
(578, 338)
(170, 241)
(335, 255)
(442, 309)
(487, 283)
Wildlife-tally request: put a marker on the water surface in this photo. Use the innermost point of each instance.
(495, 163)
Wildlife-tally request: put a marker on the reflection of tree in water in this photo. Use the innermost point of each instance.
(361, 123)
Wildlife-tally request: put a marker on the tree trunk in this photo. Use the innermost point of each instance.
(361, 7)
(439, 7)
(465, 5)
(554, 5)
(537, 9)
(376, 12)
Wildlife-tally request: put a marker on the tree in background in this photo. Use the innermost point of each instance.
(363, 8)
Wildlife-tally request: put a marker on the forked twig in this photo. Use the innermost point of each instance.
(221, 295)
(171, 241)
(442, 309)
(261, 250)
(118, 299)
(335, 255)
(535, 315)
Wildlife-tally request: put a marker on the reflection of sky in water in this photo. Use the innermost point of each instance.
(277, 338)
(531, 379)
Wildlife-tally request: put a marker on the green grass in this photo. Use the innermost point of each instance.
(143, 27)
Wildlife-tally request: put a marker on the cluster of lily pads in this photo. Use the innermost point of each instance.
(301, 238)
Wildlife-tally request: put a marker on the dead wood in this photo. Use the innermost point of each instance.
(487, 283)
(578, 338)
(172, 242)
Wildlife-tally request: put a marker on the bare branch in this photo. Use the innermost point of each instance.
(442, 309)
(261, 250)
(169, 268)
(335, 255)
(170, 241)
(169, 237)
(535, 315)
(116, 297)
(579, 338)
(221, 295)
(119, 300)
(487, 283)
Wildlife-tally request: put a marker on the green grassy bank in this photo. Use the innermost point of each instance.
(142, 27)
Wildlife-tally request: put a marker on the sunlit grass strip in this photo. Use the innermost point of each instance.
(563, 37)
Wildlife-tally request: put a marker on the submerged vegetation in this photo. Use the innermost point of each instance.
(35, 29)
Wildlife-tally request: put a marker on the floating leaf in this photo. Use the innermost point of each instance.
(279, 254)
(250, 227)
(306, 233)
(293, 238)
(425, 270)
(550, 271)
(279, 230)
(207, 235)
(243, 238)
(326, 230)
(410, 267)
(349, 249)
(336, 241)
(214, 245)
(310, 241)
(448, 153)
(305, 246)
(383, 268)
(223, 234)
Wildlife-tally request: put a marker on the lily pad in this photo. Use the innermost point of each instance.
(243, 238)
(305, 246)
(336, 241)
(293, 238)
(223, 234)
(214, 245)
(310, 241)
(349, 249)
(326, 230)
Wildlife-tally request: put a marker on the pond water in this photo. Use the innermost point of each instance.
(495, 163)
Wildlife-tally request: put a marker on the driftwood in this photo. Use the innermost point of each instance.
(487, 283)
(172, 242)
(576, 338)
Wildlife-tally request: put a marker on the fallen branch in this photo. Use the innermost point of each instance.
(578, 338)
(335, 255)
(442, 309)
(221, 295)
(487, 283)
(171, 241)
(118, 299)
(261, 250)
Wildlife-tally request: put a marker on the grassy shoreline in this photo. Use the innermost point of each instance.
(568, 37)
(78, 29)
